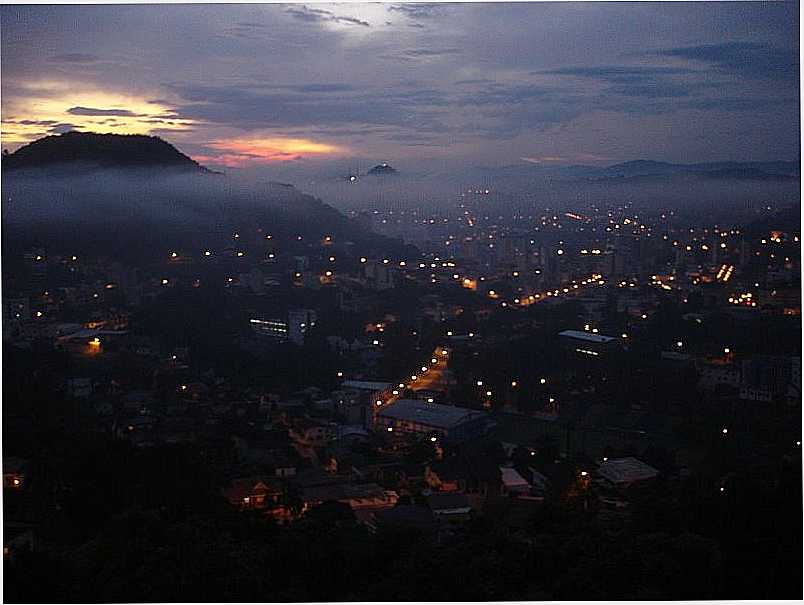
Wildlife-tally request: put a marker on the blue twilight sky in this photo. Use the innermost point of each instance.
(251, 86)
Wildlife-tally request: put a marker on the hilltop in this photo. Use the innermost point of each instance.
(100, 150)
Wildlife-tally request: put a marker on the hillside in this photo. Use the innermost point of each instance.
(128, 196)
(100, 150)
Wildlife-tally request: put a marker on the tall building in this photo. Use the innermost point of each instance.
(299, 322)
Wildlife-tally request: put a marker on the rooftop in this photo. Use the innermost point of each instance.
(366, 385)
(512, 479)
(626, 470)
(587, 336)
(431, 414)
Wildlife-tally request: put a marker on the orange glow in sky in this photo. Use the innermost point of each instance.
(243, 152)
(47, 103)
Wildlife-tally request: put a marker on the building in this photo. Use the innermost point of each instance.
(450, 507)
(432, 419)
(251, 493)
(587, 343)
(356, 399)
(623, 473)
(272, 328)
(513, 482)
(299, 322)
(366, 496)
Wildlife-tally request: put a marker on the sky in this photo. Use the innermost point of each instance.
(301, 86)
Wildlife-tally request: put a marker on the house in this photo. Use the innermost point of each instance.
(252, 493)
(353, 406)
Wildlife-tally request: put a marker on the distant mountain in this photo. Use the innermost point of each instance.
(100, 150)
(646, 170)
(730, 170)
(137, 194)
(382, 169)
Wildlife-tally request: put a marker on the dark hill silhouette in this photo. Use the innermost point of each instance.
(382, 169)
(135, 193)
(104, 150)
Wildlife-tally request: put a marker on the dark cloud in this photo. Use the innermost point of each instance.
(32, 122)
(430, 52)
(257, 107)
(62, 128)
(251, 24)
(652, 90)
(318, 15)
(646, 81)
(617, 72)
(746, 58)
(473, 82)
(418, 11)
(93, 111)
(323, 88)
(741, 104)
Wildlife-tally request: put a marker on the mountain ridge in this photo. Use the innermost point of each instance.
(101, 150)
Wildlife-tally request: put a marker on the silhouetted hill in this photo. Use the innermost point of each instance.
(134, 194)
(723, 170)
(104, 150)
(382, 169)
(647, 170)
